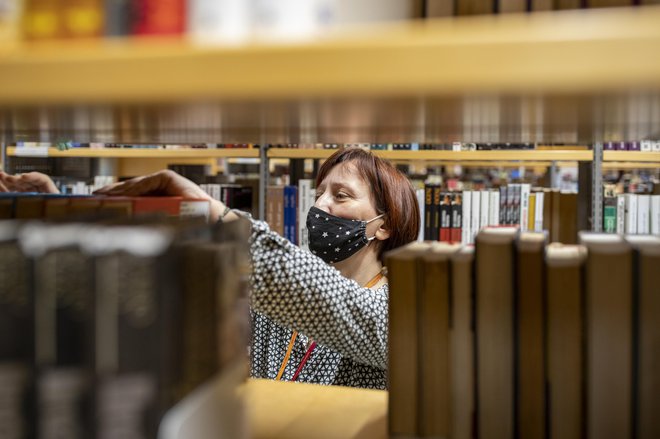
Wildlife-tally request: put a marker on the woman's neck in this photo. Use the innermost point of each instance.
(361, 267)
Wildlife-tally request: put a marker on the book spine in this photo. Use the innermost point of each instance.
(437, 212)
(476, 215)
(158, 17)
(428, 212)
(540, 199)
(631, 214)
(421, 194)
(655, 214)
(621, 214)
(494, 205)
(609, 214)
(516, 210)
(503, 205)
(445, 217)
(287, 213)
(484, 209)
(532, 212)
(467, 216)
(304, 189)
(524, 206)
(643, 214)
(456, 218)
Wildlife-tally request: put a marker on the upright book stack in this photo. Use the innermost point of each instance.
(106, 324)
(521, 338)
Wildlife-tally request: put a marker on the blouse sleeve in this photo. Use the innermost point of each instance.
(299, 290)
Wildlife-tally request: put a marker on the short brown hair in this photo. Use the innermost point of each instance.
(392, 193)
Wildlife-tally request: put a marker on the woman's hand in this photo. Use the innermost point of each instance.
(29, 182)
(163, 183)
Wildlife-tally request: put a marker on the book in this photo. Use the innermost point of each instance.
(421, 204)
(117, 17)
(655, 214)
(531, 219)
(538, 216)
(466, 216)
(609, 332)
(275, 208)
(524, 206)
(647, 260)
(404, 271)
(462, 366)
(433, 336)
(445, 217)
(16, 335)
(567, 217)
(42, 20)
(503, 217)
(620, 214)
(484, 209)
(436, 215)
(82, 18)
(494, 206)
(64, 328)
(564, 322)
(158, 17)
(456, 217)
(631, 214)
(306, 199)
(529, 311)
(428, 213)
(475, 221)
(609, 210)
(643, 214)
(494, 320)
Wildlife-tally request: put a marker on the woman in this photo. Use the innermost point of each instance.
(321, 322)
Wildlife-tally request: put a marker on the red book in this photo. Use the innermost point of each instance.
(159, 17)
(445, 217)
(168, 205)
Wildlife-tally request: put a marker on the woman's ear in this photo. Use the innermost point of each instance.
(383, 232)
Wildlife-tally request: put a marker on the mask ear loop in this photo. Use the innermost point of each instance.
(367, 222)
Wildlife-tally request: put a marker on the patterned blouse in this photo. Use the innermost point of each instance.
(295, 290)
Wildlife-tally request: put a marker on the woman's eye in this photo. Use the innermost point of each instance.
(341, 195)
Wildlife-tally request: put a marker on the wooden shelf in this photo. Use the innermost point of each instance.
(149, 153)
(556, 52)
(631, 156)
(297, 410)
(457, 156)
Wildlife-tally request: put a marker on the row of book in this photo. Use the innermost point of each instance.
(631, 213)
(457, 216)
(106, 326)
(99, 145)
(286, 210)
(440, 8)
(517, 338)
(61, 206)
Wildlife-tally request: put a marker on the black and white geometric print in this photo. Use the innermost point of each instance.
(294, 290)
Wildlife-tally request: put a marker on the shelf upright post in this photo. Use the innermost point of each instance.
(264, 174)
(597, 187)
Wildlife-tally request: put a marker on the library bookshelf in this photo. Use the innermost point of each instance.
(596, 52)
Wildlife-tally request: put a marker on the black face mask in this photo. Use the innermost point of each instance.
(334, 239)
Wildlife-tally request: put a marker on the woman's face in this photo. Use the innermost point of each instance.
(345, 194)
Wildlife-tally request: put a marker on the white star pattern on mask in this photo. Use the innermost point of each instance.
(325, 234)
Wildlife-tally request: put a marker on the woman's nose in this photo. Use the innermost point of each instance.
(323, 202)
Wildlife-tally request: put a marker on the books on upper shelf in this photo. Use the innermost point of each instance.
(457, 216)
(286, 210)
(101, 334)
(546, 340)
(632, 214)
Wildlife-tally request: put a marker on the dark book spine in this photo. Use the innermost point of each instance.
(16, 343)
(456, 218)
(503, 205)
(428, 212)
(445, 217)
(436, 213)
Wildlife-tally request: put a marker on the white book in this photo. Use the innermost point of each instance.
(620, 214)
(485, 211)
(646, 146)
(420, 202)
(494, 208)
(466, 230)
(476, 212)
(538, 214)
(656, 146)
(643, 214)
(304, 191)
(525, 189)
(631, 214)
(655, 214)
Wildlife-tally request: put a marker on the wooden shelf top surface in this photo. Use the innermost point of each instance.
(556, 52)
